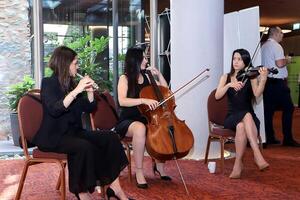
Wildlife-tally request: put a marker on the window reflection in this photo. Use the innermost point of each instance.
(66, 21)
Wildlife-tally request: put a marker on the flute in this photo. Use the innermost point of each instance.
(95, 86)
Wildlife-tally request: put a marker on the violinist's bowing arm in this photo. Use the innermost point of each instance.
(223, 87)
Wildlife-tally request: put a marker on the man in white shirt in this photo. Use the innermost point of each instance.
(277, 93)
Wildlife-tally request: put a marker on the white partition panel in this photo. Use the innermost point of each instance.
(197, 43)
(231, 38)
(241, 30)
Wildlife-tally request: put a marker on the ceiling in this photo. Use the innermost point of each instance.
(272, 12)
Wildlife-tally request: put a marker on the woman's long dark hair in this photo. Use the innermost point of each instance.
(133, 60)
(60, 62)
(245, 57)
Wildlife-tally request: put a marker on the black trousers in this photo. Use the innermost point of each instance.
(93, 157)
(277, 97)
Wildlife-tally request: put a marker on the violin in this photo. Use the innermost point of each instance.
(167, 136)
(253, 72)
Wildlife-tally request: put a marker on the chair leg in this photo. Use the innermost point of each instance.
(129, 165)
(222, 154)
(59, 185)
(207, 149)
(63, 181)
(22, 180)
(58, 181)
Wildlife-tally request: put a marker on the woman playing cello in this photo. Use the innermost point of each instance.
(132, 123)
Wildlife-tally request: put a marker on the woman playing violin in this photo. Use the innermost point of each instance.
(132, 123)
(241, 117)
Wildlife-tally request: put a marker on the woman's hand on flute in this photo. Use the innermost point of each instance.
(85, 84)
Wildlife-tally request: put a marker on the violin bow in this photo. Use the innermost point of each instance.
(254, 55)
(169, 97)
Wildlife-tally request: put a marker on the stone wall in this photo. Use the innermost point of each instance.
(15, 52)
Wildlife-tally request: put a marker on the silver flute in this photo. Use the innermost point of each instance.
(95, 86)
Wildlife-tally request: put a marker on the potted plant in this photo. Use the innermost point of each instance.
(15, 93)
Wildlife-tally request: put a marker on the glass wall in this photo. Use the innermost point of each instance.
(86, 26)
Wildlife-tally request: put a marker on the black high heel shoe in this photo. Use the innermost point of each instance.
(111, 194)
(165, 178)
(141, 185)
(77, 196)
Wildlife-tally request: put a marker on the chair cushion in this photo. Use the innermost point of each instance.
(221, 131)
(36, 153)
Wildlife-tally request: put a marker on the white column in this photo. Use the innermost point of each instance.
(38, 45)
(153, 32)
(197, 43)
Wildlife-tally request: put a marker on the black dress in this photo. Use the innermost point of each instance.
(130, 114)
(239, 104)
(93, 156)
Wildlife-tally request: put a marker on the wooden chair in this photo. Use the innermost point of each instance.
(30, 115)
(217, 111)
(105, 117)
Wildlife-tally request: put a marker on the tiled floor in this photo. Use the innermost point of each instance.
(8, 148)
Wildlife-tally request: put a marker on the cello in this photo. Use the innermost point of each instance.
(167, 136)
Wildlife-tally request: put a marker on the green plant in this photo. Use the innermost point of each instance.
(48, 72)
(17, 90)
(88, 48)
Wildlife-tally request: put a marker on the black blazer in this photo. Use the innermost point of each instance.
(58, 120)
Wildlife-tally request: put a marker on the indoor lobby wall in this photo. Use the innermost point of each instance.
(15, 52)
(291, 45)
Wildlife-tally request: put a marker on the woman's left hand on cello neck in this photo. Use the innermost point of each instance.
(161, 80)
